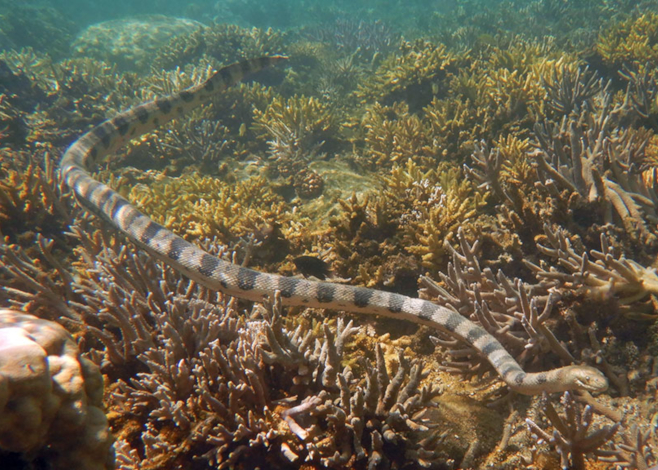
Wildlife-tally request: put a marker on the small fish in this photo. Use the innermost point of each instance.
(312, 266)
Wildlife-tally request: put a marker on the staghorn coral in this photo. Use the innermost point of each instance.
(516, 313)
(595, 164)
(31, 197)
(568, 89)
(454, 127)
(606, 274)
(356, 38)
(414, 75)
(393, 136)
(202, 206)
(205, 137)
(636, 451)
(571, 437)
(73, 94)
(297, 128)
(50, 397)
(432, 206)
(630, 43)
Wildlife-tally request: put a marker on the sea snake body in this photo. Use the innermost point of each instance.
(249, 284)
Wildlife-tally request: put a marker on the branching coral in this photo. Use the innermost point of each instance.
(297, 129)
(607, 274)
(80, 93)
(361, 38)
(393, 136)
(631, 43)
(231, 391)
(400, 231)
(296, 126)
(31, 197)
(568, 89)
(414, 76)
(636, 451)
(432, 206)
(586, 157)
(517, 314)
(571, 436)
(225, 43)
(201, 207)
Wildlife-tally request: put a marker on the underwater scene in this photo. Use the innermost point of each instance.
(309, 234)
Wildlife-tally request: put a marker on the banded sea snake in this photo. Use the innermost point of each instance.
(249, 284)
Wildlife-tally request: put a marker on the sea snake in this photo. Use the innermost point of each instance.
(252, 285)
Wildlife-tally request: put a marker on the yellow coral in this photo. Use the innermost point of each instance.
(633, 43)
(393, 135)
(204, 207)
(414, 75)
(436, 203)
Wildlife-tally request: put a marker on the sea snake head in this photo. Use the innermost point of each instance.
(585, 378)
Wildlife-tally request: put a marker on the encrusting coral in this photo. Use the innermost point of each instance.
(50, 397)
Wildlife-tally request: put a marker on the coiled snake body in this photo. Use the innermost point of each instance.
(249, 284)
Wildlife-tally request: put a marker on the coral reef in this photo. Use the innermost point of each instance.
(50, 397)
(131, 42)
(501, 157)
(238, 391)
(224, 43)
(630, 43)
(35, 25)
